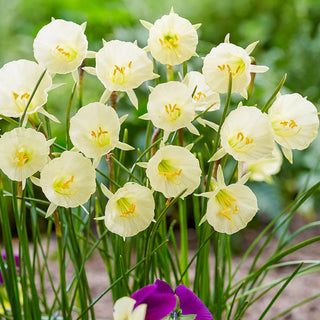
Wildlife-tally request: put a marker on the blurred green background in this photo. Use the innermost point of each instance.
(289, 36)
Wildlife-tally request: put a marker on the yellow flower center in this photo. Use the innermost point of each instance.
(169, 171)
(228, 204)
(173, 112)
(236, 66)
(120, 74)
(63, 185)
(63, 53)
(127, 208)
(22, 158)
(101, 137)
(286, 128)
(198, 96)
(170, 41)
(240, 142)
(21, 100)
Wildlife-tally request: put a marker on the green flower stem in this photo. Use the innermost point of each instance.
(183, 240)
(185, 68)
(31, 97)
(269, 102)
(68, 116)
(27, 277)
(153, 234)
(10, 277)
(80, 84)
(169, 73)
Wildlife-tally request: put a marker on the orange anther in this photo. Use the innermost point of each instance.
(240, 136)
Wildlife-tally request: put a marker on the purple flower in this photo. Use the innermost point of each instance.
(161, 301)
(16, 258)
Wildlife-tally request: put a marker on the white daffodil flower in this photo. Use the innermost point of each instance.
(263, 169)
(172, 39)
(173, 169)
(226, 58)
(203, 96)
(123, 309)
(246, 134)
(170, 107)
(68, 181)
(129, 210)
(94, 130)
(231, 207)
(60, 46)
(23, 152)
(123, 66)
(17, 82)
(295, 122)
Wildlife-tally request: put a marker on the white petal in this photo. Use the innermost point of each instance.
(244, 93)
(146, 24)
(145, 117)
(106, 191)
(90, 70)
(142, 164)
(35, 181)
(193, 129)
(189, 146)
(124, 146)
(211, 124)
(48, 115)
(23, 183)
(227, 38)
(105, 96)
(83, 26)
(287, 153)
(258, 69)
(52, 207)
(197, 26)
(244, 178)
(220, 178)
(203, 219)
(75, 76)
(123, 118)
(96, 162)
(84, 209)
(218, 155)
(91, 54)
(251, 47)
(133, 98)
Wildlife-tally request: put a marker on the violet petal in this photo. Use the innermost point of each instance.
(191, 304)
(159, 305)
(163, 287)
(143, 293)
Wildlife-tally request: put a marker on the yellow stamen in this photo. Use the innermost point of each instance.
(240, 136)
(131, 211)
(23, 158)
(15, 95)
(197, 96)
(65, 185)
(130, 64)
(170, 174)
(168, 201)
(62, 51)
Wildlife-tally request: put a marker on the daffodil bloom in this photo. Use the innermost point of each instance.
(17, 82)
(123, 66)
(129, 210)
(23, 152)
(68, 181)
(246, 134)
(94, 130)
(170, 107)
(173, 169)
(203, 96)
(231, 207)
(228, 58)
(60, 46)
(123, 309)
(294, 120)
(263, 169)
(172, 39)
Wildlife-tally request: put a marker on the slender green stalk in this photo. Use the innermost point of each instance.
(31, 97)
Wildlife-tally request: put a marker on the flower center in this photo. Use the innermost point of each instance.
(286, 128)
(169, 172)
(120, 74)
(127, 208)
(102, 137)
(173, 112)
(62, 185)
(21, 100)
(228, 204)
(198, 96)
(22, 157)
(240, 142)
(236, 66)
(170, 41)
(63, 53)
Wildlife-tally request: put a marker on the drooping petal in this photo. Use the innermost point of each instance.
(191, 304)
